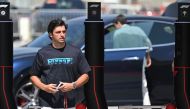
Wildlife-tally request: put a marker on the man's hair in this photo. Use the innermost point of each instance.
(120, 18)
(54, 23)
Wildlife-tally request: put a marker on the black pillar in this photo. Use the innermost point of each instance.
(6, 58)
(182, 57)
(94, 52)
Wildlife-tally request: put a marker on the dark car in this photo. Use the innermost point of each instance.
(123, 66)
(172, 9)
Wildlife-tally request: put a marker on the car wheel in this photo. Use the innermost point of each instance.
(26, 95)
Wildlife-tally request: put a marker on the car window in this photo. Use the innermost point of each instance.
(123, 40)
(162, 33)
(158, 32)
(75, 33)
(146, 26)
(108, 40)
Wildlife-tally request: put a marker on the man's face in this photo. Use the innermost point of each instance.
(59, 34)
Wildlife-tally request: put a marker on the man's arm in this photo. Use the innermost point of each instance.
(50, 88)
(147, 43)
(83, 79)
(78, 83)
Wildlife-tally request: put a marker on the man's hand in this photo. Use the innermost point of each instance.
(66, 87)
(50, 88)
(148, 60)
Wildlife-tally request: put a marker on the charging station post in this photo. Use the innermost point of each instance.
(94, 52)
(182, 57)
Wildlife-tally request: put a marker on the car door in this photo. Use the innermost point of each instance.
(123, 72)
(161, 32)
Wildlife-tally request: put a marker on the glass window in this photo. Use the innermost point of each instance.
(158, 32)
(108, 40)
(124, 41)
(75, 33)
(162, 33)
(144, 25)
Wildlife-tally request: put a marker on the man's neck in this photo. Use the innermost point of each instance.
(123, 25)
(58, 45)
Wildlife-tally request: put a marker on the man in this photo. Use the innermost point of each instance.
(127, 36)
(61, 63)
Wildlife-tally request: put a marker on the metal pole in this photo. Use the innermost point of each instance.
(6, 58)
(182, 57)
(94, 52)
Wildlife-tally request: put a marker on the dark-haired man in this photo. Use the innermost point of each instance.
(63, 64)
(126, 36)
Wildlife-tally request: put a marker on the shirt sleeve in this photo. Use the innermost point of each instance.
(37, 65)
(83, 66)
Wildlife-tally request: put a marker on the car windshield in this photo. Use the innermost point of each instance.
(74, 36)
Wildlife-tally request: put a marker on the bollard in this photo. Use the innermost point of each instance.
(182, 57)
(94, 52)
(6, 58)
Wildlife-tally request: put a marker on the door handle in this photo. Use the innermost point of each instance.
(130, 58)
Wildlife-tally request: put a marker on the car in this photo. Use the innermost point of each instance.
(123, 67)
(172, 9)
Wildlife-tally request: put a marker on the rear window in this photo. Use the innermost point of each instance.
(158, 32)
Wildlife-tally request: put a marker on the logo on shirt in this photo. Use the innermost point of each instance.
(60, 61)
